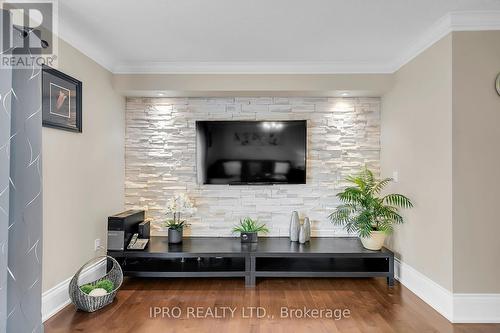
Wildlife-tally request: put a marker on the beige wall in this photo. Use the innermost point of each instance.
(83, 174)
(230, 85)
(476, 162)
(416, 141)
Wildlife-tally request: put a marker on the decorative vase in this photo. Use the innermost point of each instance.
(294, 226)
(302, 234)
(249, 237)
(307, 229)
(174, 236)
(375, 241)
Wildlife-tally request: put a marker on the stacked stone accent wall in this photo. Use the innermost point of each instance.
(160, 156)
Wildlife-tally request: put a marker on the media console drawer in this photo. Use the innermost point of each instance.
(322, 264)
(164, 266)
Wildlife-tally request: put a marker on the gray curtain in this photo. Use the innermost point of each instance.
(21, 200)
(5, 94)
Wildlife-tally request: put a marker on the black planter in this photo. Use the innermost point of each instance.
(174, 236)
(249, 237)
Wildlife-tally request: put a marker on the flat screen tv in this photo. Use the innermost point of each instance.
(251, 152)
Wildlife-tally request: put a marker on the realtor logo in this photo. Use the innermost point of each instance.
(28, 33)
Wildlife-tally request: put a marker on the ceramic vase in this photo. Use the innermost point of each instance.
(249, 237)
(307, 229)
(294, 227)
(302, 234)
(174, 236)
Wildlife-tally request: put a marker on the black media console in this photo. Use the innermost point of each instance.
(271, 257)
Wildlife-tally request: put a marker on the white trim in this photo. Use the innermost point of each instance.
(57, 297)
(475, 20)
(438, 297)
(70, 30)
(457, 308)
(434, 33)
(476, 308)
(283, 67)
(453, 21)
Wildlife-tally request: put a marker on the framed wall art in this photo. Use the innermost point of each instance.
(61, 100)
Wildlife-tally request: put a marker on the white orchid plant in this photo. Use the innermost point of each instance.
(179, 203)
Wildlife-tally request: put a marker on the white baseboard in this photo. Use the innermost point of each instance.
(440, 298)
(57, 297)
(476, 308)
(457, 308)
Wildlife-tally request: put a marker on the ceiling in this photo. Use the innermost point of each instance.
(265, 36)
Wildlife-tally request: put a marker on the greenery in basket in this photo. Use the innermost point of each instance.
(250, 225)
(87, 288)
(363, 210)
(175, 224)
(105, 284)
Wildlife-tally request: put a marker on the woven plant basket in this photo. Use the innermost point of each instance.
(84, 302)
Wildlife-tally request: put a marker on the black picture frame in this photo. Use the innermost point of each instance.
(63, 111)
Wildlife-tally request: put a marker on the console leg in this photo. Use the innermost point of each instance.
(250, 281)
(390, 278)
(390, 281)
(250, 271)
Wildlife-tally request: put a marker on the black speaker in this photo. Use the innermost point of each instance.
(144, 229)
(121, 227)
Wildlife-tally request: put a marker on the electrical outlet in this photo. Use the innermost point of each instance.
(395, 176)
(97, 244)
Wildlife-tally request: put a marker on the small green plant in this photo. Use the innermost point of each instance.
(175, 224)
(250, 225)
(87, 288)
(106, 284)
(363, 210)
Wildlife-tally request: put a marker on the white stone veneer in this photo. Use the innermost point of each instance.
(160, 154)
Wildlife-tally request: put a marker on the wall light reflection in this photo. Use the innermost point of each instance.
(273, 125)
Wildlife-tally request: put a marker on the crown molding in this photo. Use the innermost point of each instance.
(85, 45)
(437, 31)
(454, 21)
(252, 68)
(475, 21)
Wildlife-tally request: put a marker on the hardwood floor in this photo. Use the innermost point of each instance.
(373, 307)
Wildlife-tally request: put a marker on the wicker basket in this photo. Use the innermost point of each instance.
(88, 303)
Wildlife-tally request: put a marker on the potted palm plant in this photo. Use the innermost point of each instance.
(249, 229)
(180, 203)
(367, 213)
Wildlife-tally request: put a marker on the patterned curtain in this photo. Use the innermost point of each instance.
(21, 200)
(5, 111)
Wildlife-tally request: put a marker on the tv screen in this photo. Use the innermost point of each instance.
(251, 152)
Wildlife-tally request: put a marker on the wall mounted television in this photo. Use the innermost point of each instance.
(251, 152)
